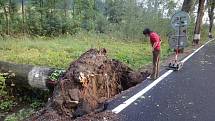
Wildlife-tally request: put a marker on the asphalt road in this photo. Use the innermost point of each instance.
(186, 95)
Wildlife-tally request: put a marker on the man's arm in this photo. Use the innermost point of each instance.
(154, 45)
(156, 41)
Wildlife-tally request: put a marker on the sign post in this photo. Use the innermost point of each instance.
(178, 39)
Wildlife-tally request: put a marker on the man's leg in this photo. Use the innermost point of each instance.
(157, 64)
(154, 60)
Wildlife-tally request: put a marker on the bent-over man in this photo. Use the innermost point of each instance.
(156, 47)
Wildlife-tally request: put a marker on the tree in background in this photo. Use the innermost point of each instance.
(101, 20)
(88, 11)
(5, 22)
(23, 17)
(170, 7)
(115, 10)
(120, 18)
(187, 5)
(126, 18)
(211, 6)
(197, 31)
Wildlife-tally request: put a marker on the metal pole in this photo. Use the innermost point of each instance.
(178, 40)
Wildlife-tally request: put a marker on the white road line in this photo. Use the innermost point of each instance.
(154, 83)
(136, 96)
(185, 59)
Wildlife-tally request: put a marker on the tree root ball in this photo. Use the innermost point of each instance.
(87, 84)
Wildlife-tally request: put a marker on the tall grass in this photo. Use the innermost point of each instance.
(60, 51)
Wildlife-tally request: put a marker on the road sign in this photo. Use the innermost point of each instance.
(175, 44)
(179, 22)
(178, 39)
(180, 18)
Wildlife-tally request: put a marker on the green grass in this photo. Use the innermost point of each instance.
(20, 115)
(60, 51)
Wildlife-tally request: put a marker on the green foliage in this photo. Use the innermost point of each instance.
(12, 118)
(115, 10)
(7, 105)
(37, 104)
(3, 91)
(60, 51)
(101, 23)
(21, 115)
(120, 21)
(121, 18)
(6, 102)
(56, 75)
(124, 58)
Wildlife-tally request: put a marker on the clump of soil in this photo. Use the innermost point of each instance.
(87, 84)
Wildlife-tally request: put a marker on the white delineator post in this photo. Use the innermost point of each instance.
(197, 36)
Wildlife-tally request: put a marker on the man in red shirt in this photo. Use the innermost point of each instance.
(156, 47)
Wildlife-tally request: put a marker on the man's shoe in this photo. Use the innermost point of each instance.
(150, 78)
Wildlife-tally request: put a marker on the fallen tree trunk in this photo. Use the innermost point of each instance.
(27, 75)
(38, 77)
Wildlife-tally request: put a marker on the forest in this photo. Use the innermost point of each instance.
(125, 18)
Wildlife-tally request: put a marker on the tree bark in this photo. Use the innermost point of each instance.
(9, 16)
(211, 5)
(65, 8)
(27, 75)
(7, 20)
(187, 5)
(41, 16)
(23, 18)
(197, 31)
(73, 9)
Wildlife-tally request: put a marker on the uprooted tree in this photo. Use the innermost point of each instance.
(87, 84)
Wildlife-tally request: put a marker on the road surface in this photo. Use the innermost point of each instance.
(186, 95)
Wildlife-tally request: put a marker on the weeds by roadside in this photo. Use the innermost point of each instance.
(60, 51)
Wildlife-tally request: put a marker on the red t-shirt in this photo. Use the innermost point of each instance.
(154, 37)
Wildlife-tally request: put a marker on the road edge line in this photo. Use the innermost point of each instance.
(126, 103)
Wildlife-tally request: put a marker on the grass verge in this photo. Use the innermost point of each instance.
(60, 51)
